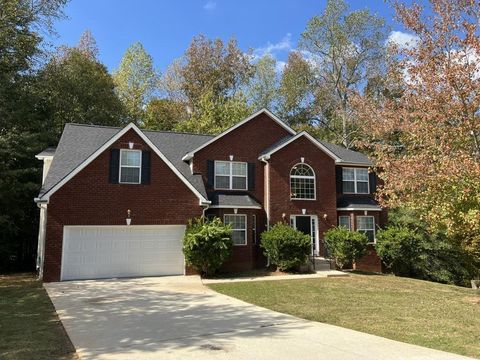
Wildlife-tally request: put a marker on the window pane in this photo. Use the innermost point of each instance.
(238, 237)
(302, 188)
(239, 183)
(239, 169)
(130, 158)
(348, 174)
(370, 235)
(362, 187)
(365, 223)
(362, 175)
(130, 175)
(222, 168)
(222, 182)
(348, 186)
(344, 221)
(302, 170)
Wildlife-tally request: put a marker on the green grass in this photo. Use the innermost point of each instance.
(29, 326)
(438, 316)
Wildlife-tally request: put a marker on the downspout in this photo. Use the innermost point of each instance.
(41, 239)
(267, 195)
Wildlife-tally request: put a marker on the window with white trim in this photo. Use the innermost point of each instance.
(355, 180)
(344, 221)
(130, 166)
(302, 182)
(366, 224)
(239, 228)
(231, 175)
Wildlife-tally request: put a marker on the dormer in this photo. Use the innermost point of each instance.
(47, 157)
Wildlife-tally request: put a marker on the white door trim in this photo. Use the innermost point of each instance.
(313, 230)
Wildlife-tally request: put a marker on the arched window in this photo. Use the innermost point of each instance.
(302, 182)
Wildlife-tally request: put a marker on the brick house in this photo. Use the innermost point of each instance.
(115, 202)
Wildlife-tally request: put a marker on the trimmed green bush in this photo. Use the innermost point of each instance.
(345, 246)
(286, 247)
(207, 245)
(399, 248)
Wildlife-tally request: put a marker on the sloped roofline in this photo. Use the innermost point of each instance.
(318, 144)
(190, 154)
(45, 197)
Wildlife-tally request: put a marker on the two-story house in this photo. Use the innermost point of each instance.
(115, 202)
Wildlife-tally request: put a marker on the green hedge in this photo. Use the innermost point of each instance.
(345, 246)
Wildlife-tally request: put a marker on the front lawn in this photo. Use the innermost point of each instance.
(29, 326)
(438, 316)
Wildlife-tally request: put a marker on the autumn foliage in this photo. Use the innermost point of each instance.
(424, 131)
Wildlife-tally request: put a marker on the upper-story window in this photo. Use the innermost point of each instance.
(355, 180)
(302, 182)
(130, 166)
(230, 175)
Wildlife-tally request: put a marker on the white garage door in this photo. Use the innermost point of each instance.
(91, 252)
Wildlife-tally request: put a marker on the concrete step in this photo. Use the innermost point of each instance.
(321, 264)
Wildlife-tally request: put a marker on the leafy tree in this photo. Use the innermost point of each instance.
(296, 90)
(209, 80)
(286, 247)
(427, 140)
(88, 45)
(163, 114)
(262, 90)
(207, 244)
(345, 246)
(22, 129)
(215, 114)
(75, 87)
(347, 49)
(136, 81)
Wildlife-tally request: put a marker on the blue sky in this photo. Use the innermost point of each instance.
(166, 28)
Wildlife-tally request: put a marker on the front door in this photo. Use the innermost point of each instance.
(307, 225)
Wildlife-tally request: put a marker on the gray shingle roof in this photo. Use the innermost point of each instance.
(346, 155)
(47, 152)
(233, 200)
(78, 142)
(357, 201)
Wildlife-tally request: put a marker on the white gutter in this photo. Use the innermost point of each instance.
(41, 239)
(266, 204)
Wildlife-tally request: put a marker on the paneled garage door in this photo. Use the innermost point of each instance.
(91, 252)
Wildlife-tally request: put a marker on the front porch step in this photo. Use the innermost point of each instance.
(321, 264)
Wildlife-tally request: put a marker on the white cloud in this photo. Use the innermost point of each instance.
(402, 40)
(280, 66)
(285, 44)
(210, 5)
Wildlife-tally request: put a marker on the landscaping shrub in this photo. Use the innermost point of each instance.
(207, 244)
(399, 248)
(286, 247)
(409, 249)
(345, 246)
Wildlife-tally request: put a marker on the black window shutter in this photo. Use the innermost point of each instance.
(114, 164)
(210, 173)
(373, 182)
(339, 178)
(146, 167)
(251, 176)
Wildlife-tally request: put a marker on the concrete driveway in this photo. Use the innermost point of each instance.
(178, 318)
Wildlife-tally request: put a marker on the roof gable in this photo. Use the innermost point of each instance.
(286, 141)
(76, 156)
(190, 154)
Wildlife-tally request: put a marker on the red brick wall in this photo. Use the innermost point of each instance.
(281, 164)
(370, 262)
(89, 199)
(249, 256)
(245, 143)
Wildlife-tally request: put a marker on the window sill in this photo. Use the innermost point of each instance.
(295, 199)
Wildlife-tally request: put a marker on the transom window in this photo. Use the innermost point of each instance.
(366, 224)
(130, 166)
(239, 228)
(302, 182)
(355, 180)
(345, 222)
(230, 175)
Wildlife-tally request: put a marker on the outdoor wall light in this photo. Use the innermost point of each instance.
(231, 157)
(130, 145)
(235, 210)
(129, 220)
(304, 211)
(325, 216)
(302, 159)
